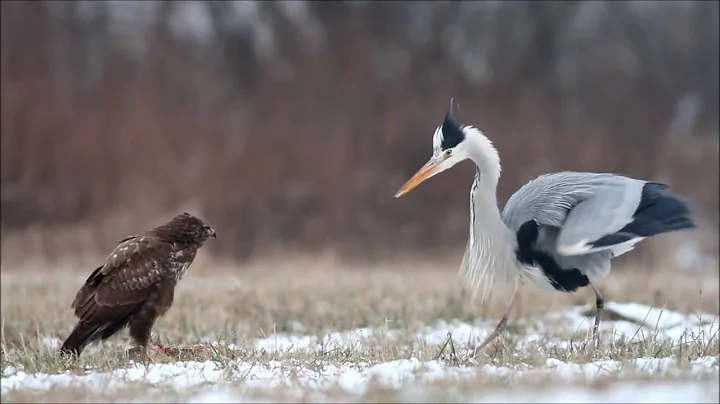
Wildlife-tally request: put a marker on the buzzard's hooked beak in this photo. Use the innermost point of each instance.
(211, 232)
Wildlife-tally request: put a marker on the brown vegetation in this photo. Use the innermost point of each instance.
(303, 148)
(279, 297)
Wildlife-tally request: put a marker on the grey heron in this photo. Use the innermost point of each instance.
(557, 232)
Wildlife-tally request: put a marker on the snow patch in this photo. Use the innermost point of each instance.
(229, 382)
(637, 320)
(352, 379)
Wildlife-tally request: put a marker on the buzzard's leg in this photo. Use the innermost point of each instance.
(140, 328)
(599, 305)
(139, 352)
(499, 328)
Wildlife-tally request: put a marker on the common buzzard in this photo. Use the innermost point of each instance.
(136, 284)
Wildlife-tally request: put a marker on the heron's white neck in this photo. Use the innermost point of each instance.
(485, 156)
(490, 257)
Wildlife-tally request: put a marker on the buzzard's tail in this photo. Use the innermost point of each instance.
(82, 335)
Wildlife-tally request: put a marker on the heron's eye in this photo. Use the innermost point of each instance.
(448, 152)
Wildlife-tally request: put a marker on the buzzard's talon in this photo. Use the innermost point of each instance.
(159, 347)
(169, 350)
(162, 349)
(139, 354)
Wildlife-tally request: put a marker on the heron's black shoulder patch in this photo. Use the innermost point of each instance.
(452, 134)
(564, 280)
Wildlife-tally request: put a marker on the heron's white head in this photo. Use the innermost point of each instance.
(453, 143)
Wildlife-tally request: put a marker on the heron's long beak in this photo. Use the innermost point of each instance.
(428, 170)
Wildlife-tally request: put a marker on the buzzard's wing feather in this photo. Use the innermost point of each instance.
(117, 290)
(131, 272)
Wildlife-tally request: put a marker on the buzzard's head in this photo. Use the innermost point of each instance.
(185, 229)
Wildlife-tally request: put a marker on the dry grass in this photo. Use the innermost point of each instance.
(235, 305)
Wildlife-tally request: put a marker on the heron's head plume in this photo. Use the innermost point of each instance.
(448, 135)
(449, 148)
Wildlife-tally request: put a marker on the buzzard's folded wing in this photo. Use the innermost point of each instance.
(116, 291)
(130, 274)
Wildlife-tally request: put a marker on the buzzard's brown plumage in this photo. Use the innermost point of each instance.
(136, 284)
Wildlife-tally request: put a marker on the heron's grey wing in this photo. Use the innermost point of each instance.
(610, 207)
(575, 207)
(547, 199)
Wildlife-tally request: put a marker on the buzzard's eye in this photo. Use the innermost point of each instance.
(209, 231)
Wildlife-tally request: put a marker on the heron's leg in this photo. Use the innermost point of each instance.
(499, 328)
(599, 305)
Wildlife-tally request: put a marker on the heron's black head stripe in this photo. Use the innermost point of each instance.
(452, 134)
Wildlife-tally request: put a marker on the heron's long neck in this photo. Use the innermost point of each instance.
(490, 256)
(488, 226)
(487, 162)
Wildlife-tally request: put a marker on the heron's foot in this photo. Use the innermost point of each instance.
(482, 346)
(596, 340)
(499, 329)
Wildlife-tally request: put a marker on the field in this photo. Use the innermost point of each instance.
(320, 330)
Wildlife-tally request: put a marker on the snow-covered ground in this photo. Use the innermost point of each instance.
(640, 322)
(356, 379)
(236, 381)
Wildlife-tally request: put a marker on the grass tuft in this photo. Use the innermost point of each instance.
(219, 316)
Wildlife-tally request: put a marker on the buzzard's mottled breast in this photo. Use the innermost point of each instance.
(181, 260)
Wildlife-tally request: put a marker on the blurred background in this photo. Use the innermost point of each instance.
(289, 125)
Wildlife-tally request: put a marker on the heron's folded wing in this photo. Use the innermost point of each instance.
(571, 207)
(606, 211)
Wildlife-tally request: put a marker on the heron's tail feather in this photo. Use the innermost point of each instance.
(661, 213)
(657, 213)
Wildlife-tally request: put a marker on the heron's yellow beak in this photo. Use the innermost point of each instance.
(427, 171)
